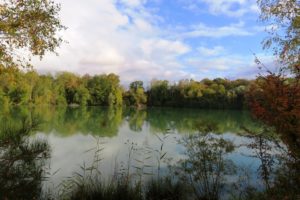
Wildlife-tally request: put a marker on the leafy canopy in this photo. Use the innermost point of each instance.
(282, 18)
(27, 28)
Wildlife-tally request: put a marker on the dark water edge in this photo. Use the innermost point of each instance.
(161, 154)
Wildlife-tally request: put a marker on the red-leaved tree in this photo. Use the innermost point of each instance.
(275, 100)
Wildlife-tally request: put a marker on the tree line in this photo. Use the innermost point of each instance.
(33, 26)
(26, 88)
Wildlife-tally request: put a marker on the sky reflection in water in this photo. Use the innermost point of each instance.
(73, 133)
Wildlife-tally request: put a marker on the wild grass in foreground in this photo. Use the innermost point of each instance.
(135, 180)
(206, 172)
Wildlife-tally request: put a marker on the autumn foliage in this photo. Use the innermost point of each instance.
(275, 100)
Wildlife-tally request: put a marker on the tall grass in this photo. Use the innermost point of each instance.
(138, 179)
(147, 173)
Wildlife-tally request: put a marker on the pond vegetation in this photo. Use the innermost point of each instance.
(209, 162)
(53, 145)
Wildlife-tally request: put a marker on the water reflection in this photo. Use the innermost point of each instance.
(279, 166)
(206, 165)
(107, 121)
(145, 154)
(136, 119)
(22, 168)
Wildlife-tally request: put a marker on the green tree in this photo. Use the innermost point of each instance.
(105, 90)
(29, 25)
(97, 89)
(283, 19)
(44, 90)
(82, 96)
(136, 95)
(20, 92)
(4, 100)
(158, 93)
(70, 83)
(115, 95)
(31, 79)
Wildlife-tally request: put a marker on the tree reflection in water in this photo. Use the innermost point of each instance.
(206, 171)
(22, 168)
(136, 119)
(279, 168)
(206, 165)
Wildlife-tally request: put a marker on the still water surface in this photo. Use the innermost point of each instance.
(160, 139)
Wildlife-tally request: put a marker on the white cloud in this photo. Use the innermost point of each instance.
(221, 64)
(104, 38)
(215, 51)
(133, 3)
(228, 66)
(155, 48)
(123, 37)
(231, 8)
(202, 30)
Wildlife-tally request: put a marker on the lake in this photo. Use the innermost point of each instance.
(221, 153)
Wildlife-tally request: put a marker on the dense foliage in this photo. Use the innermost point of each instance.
(282, 19)
(276, 101)
(136, 94)
(217, 93)
(275, 98)
(27, 28)
(23, 88)
(19, 88)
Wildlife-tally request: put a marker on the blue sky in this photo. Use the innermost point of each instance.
(159, 39)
